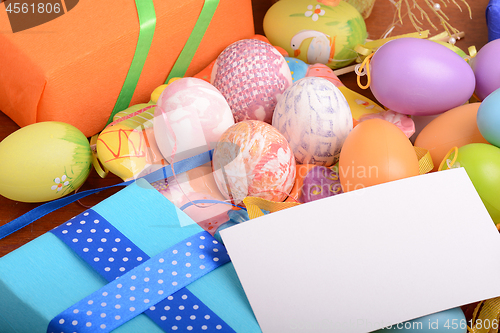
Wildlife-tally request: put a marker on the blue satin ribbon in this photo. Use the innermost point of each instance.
(137, 283)
(42, 210)
(493, 19)
(191, 203)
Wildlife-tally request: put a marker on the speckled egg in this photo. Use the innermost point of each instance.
(315, 118)
(43, 161)
(252, 75)
(253, 159)
(190, 117)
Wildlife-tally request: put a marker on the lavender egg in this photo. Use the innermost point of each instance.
(320, 182)
(251, 75)
(487, 69)
(315, 118)
(420, 77)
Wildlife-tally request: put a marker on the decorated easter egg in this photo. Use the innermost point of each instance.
(298, 68)
(320, 70)
(43, 161)
(251, 74)
(360, 105)
(315, 119)
(315, 31)
(127, 147)
(252, 158)
(190, 117)
(488, 118)
(482, 163)
(454, 128)
(376, 152)
(320, 182)
(314, 182)
(129, 152)
(428, 79)
(487, 69)
(136, 115)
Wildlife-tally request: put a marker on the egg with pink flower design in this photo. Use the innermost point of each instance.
(252, 158)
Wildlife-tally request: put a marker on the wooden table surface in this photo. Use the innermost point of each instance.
(381, 17)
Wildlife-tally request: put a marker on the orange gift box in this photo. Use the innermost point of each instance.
(72, 69)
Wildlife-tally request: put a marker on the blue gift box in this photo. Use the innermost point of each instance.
(45, 277)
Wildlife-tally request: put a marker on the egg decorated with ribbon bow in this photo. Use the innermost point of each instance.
(316, 31)
(420, 77)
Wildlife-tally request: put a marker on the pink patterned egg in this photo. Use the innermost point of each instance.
(190, 117)
(253, 159)
(252, 75)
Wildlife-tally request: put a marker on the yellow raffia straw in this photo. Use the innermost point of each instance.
(255, 205)
(101, 170)
(486, 316)
(366, 63)
(425, 163)
(454, 151)
(435, 8)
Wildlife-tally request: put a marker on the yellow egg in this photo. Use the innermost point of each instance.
(129, 152)
(316, 31)
(43, 161)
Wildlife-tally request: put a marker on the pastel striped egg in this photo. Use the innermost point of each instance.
(315, 118)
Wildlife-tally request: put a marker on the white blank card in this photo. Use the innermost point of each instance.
(370, 258)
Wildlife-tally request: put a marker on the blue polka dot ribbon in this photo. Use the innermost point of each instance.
(155, 286)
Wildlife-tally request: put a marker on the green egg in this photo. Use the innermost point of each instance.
(482, 163)
(315, 32)
(43, 161)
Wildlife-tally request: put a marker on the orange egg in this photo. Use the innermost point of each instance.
(376, 152)
(454, 128)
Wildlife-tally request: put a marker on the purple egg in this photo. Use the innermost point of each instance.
(420, 77)
(320, 182)
(486, 67)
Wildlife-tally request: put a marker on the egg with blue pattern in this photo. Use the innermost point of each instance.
(298, 68)
(315, 118)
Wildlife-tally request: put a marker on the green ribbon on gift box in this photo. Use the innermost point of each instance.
(147, 21)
